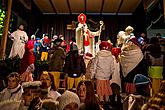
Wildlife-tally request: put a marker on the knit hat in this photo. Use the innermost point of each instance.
(105, 45)
(31, 84)
(68, 97)
(49, 104)
(141, 79)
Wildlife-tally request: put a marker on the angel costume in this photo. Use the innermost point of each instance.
(19, 38)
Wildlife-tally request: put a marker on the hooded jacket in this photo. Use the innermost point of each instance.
(103, 65)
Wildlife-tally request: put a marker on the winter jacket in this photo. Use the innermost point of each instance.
(74, 65)
(57, 59)
(103, 65)
(13, 94)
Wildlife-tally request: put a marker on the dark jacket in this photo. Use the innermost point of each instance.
(57, 59)
(74, 64)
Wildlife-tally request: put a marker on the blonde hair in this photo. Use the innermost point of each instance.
(129, 28)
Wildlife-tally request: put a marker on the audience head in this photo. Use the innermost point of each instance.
(49, 104)
(69, 101)
(86, 93)
(13, 80)
(47, 81)
(30, 91)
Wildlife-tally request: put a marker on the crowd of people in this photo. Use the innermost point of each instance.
(128, 75)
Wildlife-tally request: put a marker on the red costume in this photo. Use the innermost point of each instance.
(28, 57)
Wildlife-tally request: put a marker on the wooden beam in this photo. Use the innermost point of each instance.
(85, 6)
(164, 9)
(5, 30)
(53, 7)
(119, 6)
(102, 6)
(68, 3)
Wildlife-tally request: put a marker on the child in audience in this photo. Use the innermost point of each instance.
(48, 86)
(88, 99)
(69, 101)
(14, 89)
(31, 90)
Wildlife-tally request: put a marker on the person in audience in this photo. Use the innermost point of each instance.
(31, 90)
(14, 90)
(74, 67)
(28, 74)
(102, 68)
(69, 101)
(88, 99)
(49, 104)
(136, 101)
(157, 102)
(143, 85)
(48, 86)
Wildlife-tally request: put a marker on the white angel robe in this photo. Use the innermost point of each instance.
(19, 39)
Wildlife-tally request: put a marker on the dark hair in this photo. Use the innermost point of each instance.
(154, 40)
(91, 101)
(35, 104)
(16, 75)
(73, 39)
